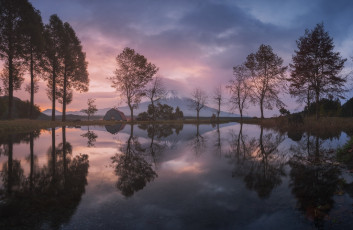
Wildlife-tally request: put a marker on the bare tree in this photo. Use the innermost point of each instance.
(218, 98)
(198, 100)
(155, 91)
(239, 88)
(267, 74)
(131, 77)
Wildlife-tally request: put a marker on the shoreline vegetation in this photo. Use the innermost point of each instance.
(326, 125)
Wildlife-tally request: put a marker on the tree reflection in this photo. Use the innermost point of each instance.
(259, 161)
(47, 196)
(91, 137)
(12, 172)
(314, 179)
(199, 142)
(157, 132)
(218, 143)
(133, 170)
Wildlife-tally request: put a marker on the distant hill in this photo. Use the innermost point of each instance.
(173, 101)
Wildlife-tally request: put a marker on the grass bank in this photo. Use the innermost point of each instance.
(25, 125)
(325, 125)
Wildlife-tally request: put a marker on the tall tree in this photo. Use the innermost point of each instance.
(239, 88)
(11, 41)
(131, 77)
(32, 28)
(155, 92)
(17, 80)
(53, 34)
(198, 101)
(218, 99)
(267, 72)
(316, 65)
(74, 75)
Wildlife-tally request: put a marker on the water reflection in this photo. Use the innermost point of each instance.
(44, 177)
(198, 143)
(314, 179)
(218, 142)
(91, 137)
(114, 129)
(259, 161)
(156, 132)
(48, 196)
(132, 168)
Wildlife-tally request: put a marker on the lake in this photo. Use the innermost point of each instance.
(229, 176)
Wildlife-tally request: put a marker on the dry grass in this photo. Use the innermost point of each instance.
(326, 125)
(24, 125)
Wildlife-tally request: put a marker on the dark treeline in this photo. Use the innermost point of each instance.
(51, 52)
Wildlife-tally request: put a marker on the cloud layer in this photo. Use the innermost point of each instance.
(194, 43)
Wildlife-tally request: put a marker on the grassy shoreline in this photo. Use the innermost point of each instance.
(328, 126)
(26, 125)
(324, 125)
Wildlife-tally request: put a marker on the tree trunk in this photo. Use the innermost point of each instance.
(308, 102)
(219, 109)
(198, 111)
(153, 111)
(32, 87)
(131, 112)
(63, 118)
(9, 116)
(241, 115)
(53, 96)
(262, 108)
(317, 106)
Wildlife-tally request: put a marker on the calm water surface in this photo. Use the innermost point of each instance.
(173, 177)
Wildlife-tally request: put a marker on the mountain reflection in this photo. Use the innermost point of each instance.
(48, 196)
(131, 167)
(156, 132)
(314, 179)
(258, 161)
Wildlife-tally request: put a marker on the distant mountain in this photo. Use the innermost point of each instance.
(49, 111)
(173, 101)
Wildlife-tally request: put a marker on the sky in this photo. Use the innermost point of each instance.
(195, 43)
